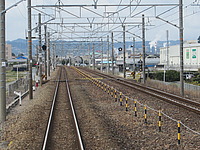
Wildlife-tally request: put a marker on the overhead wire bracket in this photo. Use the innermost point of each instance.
(95, 4)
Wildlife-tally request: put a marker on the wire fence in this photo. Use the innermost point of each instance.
(160, 123)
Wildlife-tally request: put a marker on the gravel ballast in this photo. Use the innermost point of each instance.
(104, 124)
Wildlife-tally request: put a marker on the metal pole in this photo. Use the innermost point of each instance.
(40, 49)
(30, 51)
(93, 57)
(101, 55)
(48, 55)
(124, 52)
(133, 54)
(143, 46)
(89, 55)
(53, 58)
(181, 45)
(3, 64)
(167, 50)
(37, 68)
(112, 58)
(108, 53)
(45, 52)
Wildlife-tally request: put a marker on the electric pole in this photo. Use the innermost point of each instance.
(30, 61)
(133, 54)
(3, 64)
(37, 49)
(93, 56)
(108, 54)
(48, 55)
(45, 52)
(124, 52)
(167, 50)
(181, 45)
(112, 58)
(40, 49)
(143, 47)
(101, 55)
(53, 57)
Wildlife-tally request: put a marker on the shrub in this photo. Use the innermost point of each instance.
(170, 76)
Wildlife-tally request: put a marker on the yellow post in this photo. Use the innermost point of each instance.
(135, 108)
(108, 90)
(179, 132)
(159, 120)
(120, 98)
(145, 114)
(115, 96)
(126, 103)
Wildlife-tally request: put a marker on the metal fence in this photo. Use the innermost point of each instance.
(191, 91)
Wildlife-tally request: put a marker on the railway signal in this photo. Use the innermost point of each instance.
(119, 49)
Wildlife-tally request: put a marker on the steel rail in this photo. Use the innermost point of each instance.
(168, 97)
(51, 114)
(74, 114)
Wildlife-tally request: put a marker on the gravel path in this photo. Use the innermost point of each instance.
(25, 125)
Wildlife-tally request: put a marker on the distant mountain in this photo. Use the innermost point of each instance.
(63, 48)
(20, 46)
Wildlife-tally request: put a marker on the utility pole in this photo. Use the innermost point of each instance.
(37, 49)
(40, 49)
(167, 50)
(108, 54)
(101, 55)
(53, 57)
(93, 56)
(45, 51)
(124, 52)
(133, 54)
(30, 61)
(48, 55)
(143, 47)
(3, 64)
(112, 58)
(89, 55)
(181, 45)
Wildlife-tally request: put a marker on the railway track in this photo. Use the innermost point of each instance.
(62, 131)
(167, 97)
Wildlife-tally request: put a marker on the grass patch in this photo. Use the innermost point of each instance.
(12, 75)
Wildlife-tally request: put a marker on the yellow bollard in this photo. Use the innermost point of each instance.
(120, 98)
(111, 91)
(159, 120)
(108, 90)
(126, 103)
(115, 96)
(145, 114)
(179, 132)
(105, 87)
(135, 108)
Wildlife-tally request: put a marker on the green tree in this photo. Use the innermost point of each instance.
(172, 75)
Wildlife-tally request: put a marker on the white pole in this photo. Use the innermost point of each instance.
(20, 99)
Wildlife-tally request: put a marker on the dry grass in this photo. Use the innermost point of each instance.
(173, 88)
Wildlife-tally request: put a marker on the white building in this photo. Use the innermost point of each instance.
(191, 56)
